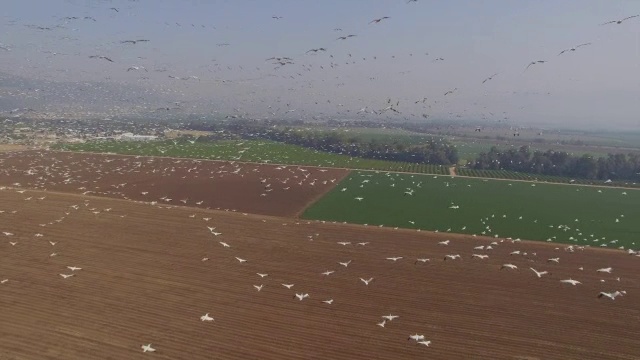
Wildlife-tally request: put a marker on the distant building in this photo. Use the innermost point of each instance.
(131, 136)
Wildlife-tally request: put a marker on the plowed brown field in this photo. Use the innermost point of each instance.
(260, 189)
(143, 281)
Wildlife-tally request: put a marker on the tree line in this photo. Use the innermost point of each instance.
(435, 151)
(559, 163)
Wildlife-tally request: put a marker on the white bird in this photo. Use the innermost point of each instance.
(345, 264)
(288, 286)
(570, 281)
(605, 270)
(539, 273)
(480, 256)
(381, 324)
(611, 296)
(446, 242)
(328, 272)
(262, 275)
(13, 243)
(258, 287)
(359, 198)
(225, 244)
(216, 233)
(394, 259)
(7, 233)
(366, 282)
(328, 301)
(73, 268)
(4, 281)
(147, 348)
(64, 276)
(422, 260)
(510, 266)
(416, 337)
(344, 243)
(390, 317)
(363, 243)
(240, 260)
(301, 296)
(425, 343)
(206, 317)
(451, 257)
(555, 260)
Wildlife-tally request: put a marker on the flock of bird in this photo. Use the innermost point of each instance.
(303, 66)
(475, 253)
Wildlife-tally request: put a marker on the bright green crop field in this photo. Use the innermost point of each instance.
(570, 214)
(250, 150)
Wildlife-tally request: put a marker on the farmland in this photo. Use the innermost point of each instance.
(250, 151)
(514, 175)
(148, 273)
(255, 188)
(558, 213)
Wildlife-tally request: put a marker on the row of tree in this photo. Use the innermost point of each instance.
(559, 163)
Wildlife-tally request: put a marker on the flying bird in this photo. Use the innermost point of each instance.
(100, 57)
(534, 63)
(489, 78)
(114, 9)
(345, 37)
(133, 41)
(366, 282)
(620, 21)
(539, 273)
(379, 19)
(147, 348)
(573, 48)
(206, 317)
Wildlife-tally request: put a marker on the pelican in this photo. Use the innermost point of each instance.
(571, 281)
(509, 266)
(147, 348)
(258, 287)
(366, 282)
(612, 295)
(288, 286)
(206, 317)
(620, 21)
(240, 260)
(539, 273)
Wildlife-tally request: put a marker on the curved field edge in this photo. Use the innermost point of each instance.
(259, 151)
(578, 215)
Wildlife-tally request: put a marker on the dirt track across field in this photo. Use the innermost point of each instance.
(143, 280)
(253, 188)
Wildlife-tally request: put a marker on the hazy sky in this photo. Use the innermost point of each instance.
(597, 85)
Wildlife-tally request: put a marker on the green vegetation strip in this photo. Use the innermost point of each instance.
(250, 151)
(577, 215)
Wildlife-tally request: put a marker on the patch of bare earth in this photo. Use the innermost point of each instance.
(143, 280)
(243, 187)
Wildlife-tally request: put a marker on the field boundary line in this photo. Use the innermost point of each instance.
(350, 169)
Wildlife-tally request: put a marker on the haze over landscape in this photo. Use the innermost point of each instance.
(597, 85)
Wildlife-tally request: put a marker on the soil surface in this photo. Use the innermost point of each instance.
(143, 280)
(253, 188)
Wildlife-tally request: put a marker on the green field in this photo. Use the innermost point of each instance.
(251, 151)
(514, 175)
(486, 207)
